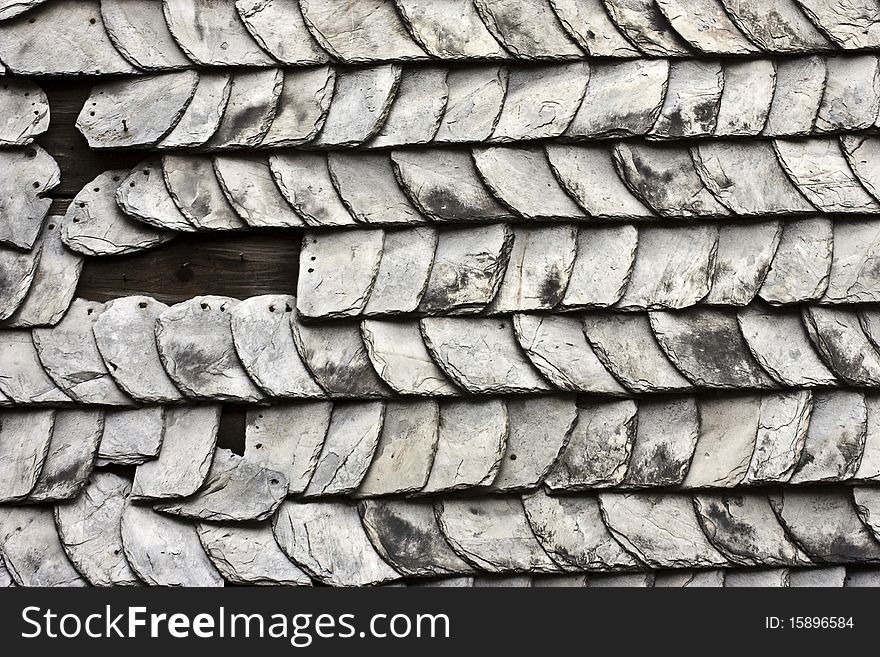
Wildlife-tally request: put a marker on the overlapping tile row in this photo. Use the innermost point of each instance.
(619, 183)
(135, 350)
(130, 36)
(500, 269)
(107, 536)
(412, 448)
(391, 105)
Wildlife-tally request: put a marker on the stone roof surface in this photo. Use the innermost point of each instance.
(587, 294)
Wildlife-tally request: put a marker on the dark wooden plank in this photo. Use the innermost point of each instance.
(238, 265)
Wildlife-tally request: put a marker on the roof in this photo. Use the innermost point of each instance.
(586, 294)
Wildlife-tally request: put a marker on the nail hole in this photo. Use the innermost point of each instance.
(513, 457)
(90, 311)
(311, 271)
(142, 304)
(204, 305)
(51, 226)
(273, 482)
(259, 445)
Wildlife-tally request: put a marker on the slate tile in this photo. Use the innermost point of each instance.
(212, 34)
(468, 267)
(264, 345)
(30, 173)
(302, 107)
(287, 438)
(21, 530)
(598, 450)
(135, 112)
(165, 551)
(747, 96)
(843, 344)
(248, 555)
(539, 269)
(855, 270)
(362, 32)
(361, 102)
(70, 355)
(726, 442)
(692, 100)
(493, 534)
(29, 43)
(851, 25)
(125, 333)
(143, 196)
(400, 357)
(521, 178)
(529, 31)
(250, 188)
(449, 29)
(481, 355)
(17, 271)
(131, 436)
(781, 345)
(54, 283)
(705, 25)
(25, 111)
(707, 346)
(470, 445)
(407, 536)
(869, 466)
(138, 30)
(745, 253)
(204, 112)
(327, 540)
(541, 101)
(799, 270)
(90, 529)
(660, 530)
(186, 455)
(349, 446)
(539, 430)
(780, 439)
(71, 454)
(368, 189)
(278, 26)
(250, 109)
(341, 267)
(747, 178)
(693, 579)
(800, 85)
(197, 193)
(405, 451)
(22, 377)
(666, 436)
(195, 344)
(588, 23)
(826, 525)
(557, 347)
(305, 181)
(444, 185)
(627, 347)
(826, 576)
(744, 528)
(590, 176)
(852, 93)
(780, 27)
(234, 490)
(623, 98)
(336, 356)
(25, 437)
(820, 171)
(417, 110)
(402, 279)
(673, 267)
(571, 530)
(475, 97)
(835, 438)
(758, 578)
(680, 192)
(642, 22)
